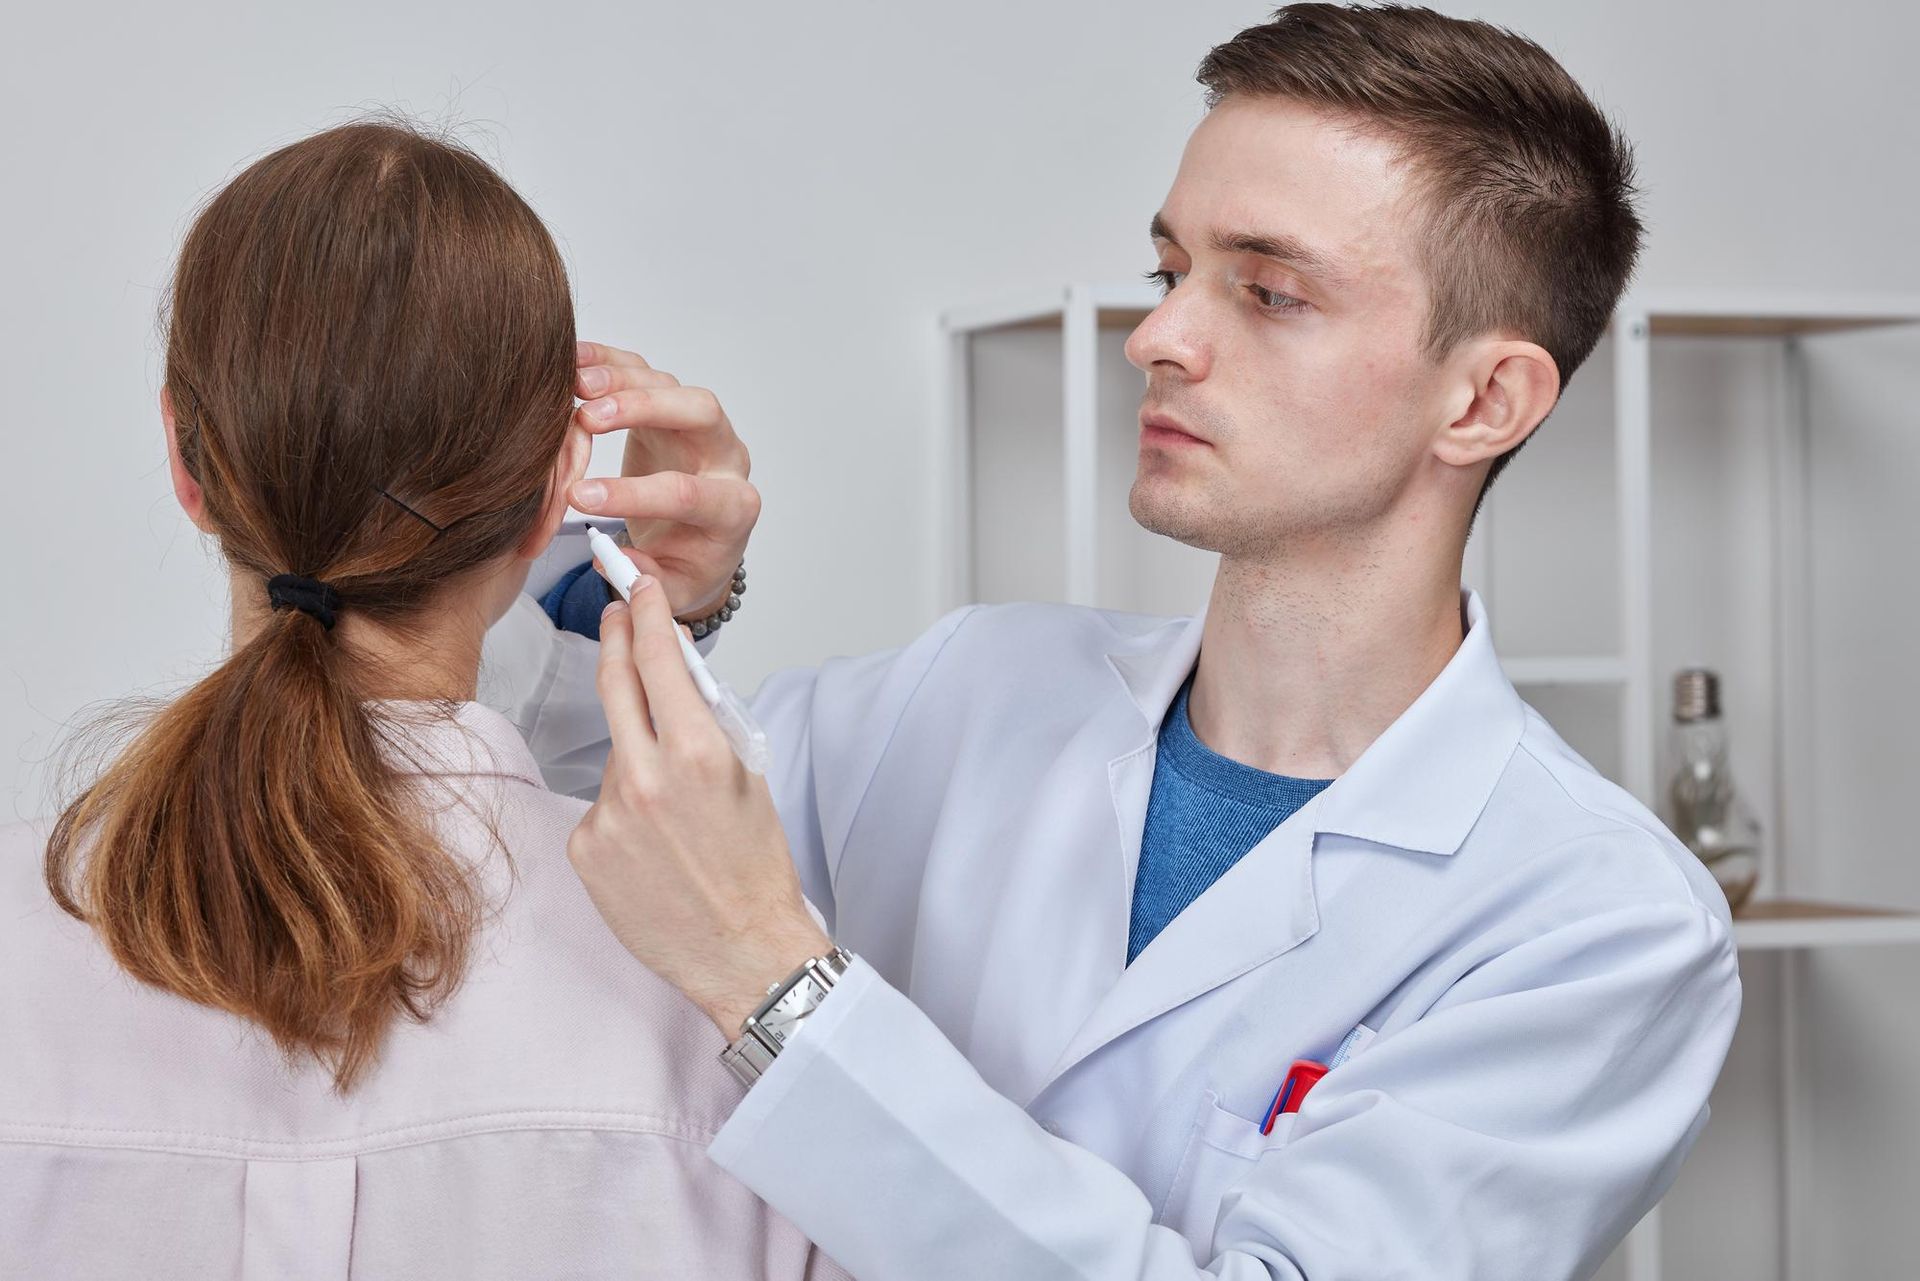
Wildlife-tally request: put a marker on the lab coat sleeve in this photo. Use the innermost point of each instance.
(828, 728)
(1514, 1132)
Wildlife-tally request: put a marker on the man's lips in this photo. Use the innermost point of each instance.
(1158, 429)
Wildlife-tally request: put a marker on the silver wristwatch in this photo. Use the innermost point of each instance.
(788, 1003)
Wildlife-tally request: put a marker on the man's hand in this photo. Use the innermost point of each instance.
(683, 853)
(683, 487)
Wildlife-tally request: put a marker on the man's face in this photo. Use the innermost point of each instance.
(1288, 395)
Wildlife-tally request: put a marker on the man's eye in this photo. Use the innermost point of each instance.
(1271, 300)
(1167, 280)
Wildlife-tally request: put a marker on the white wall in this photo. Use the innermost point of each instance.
(776, 200)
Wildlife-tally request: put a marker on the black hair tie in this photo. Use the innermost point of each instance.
(308, 595)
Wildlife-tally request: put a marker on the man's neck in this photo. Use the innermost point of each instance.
(1307, 658)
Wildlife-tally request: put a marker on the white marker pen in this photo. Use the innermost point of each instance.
(748, 740)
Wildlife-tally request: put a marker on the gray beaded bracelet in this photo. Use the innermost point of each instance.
(711, 623)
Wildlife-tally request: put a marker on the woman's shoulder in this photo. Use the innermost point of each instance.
(553, 1024)
(96, 1031)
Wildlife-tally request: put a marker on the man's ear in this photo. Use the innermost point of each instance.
(576, 453)
(1513, 385)
(185, 487)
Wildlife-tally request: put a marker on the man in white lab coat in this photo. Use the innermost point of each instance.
(1285, 942)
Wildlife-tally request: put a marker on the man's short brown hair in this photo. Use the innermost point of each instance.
(1528, 187)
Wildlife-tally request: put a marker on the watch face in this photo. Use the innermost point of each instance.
(779, 1021)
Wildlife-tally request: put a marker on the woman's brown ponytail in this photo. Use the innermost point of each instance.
(370, 353)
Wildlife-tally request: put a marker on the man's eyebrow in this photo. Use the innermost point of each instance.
(1280, 248)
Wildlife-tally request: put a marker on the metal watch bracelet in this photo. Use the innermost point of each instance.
(776, 1020)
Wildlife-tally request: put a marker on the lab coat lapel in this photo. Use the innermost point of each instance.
(1014, 981)
(1054, 938)
(1419, 787)
(1262, 908)
(1152, 672)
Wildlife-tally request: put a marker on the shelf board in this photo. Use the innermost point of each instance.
(1123, 317)
(1034, 318)
(1713, 315)
(1748, 314)
(1779, 924)
(1690, 326)
(1570, 670)
(1669, 314)
(1116, 305)
(1038, 310)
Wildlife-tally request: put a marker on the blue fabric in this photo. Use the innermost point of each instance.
(574, 603)
(1206, 811)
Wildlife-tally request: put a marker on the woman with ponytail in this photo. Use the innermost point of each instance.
(302, 984)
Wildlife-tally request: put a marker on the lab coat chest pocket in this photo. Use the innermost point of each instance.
(1221, 1152)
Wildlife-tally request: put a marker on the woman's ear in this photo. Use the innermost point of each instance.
(576, 454)
(185, 487)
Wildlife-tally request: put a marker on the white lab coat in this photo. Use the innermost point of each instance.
(1549, 977)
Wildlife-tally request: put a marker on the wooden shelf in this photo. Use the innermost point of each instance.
(1778, 924)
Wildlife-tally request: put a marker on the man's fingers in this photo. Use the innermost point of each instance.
(681, 719)
(716, 502)
(595, 353)
(675, 408)
(602, 369)
(618, 682)
(594, 381)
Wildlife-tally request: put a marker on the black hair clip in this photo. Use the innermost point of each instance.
(437, 529)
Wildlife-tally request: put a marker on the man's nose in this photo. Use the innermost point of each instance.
(1172, 339)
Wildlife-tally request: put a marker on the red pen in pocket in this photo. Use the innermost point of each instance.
(1301, 1077)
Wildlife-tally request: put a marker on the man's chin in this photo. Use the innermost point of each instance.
(1161, 509)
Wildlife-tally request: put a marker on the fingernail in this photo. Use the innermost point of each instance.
(594, 380)
(613, 607)
(602, 408)
(582, 352)
(641, 583)
(589, 494)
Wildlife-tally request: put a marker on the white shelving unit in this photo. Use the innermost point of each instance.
(1081, 558)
